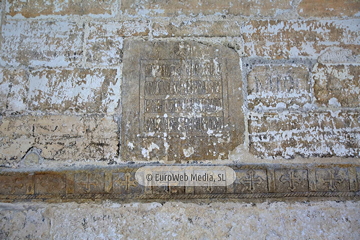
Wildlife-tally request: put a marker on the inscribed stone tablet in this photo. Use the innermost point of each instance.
(180, 101)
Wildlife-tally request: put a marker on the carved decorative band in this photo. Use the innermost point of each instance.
(119, 183)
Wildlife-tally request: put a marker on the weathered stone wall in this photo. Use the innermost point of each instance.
(174, 220)
(226, 82)
(67, 69)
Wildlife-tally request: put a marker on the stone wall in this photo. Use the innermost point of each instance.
(270, 86)
(68, 69)
(316, 220)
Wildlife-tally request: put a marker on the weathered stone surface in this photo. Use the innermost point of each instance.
(13, 90)
(35, 223)
(339, 55)
(62, 61)
(293, 180)
(337, 85)
(41, 43)
(195, 7)
(17, 184)
(332, 179)
(18, 90)
(59, 137)
(329, 8)
(180, 101)
(89, 182)
(277, 39)
(307, 134)
(60, 90)
(315, 220)
(74, 90)
(196, 29)
(38, 8)
(1, 13)
(105, 41)
(278, 87)
(258, 182)
(32, 158)
(50, 183)
(15, 140)
(4, 90)
(124, 183)
(251, 181)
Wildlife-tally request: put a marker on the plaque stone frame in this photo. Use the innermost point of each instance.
(181, 101)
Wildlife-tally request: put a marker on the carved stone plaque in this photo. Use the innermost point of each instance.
(180, 101)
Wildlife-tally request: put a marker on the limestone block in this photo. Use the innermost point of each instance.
(277, 39)
(196, 29)
(38, 8)
(41, 43)
(77, 138)
(59, 137)
(329, 8)
(170, 8)
(177, 220)
(278, 87)
(337, 85)
(102, 139)
(322, 134)
(79, 90)
(13, 90)
(105, 41)
(336, 55)
(16, 139)
(181, 100)
(36, 224)
(13, 149)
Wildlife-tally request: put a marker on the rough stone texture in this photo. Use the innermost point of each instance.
(59, 137)
(337, 85)
(196, 29)
(307, 134)
(1, 13)
(105, 41)
(194, 7)
(74, 58)
(329, 8)
(41, 43)
(74, 90)
(13, 90)
(336, 55)
(278, 39)
(316, 220)
(58, 63)
(278, 87)
(35, 222)
(36, 8)
(80, 60)
(177, 107)
(126, 183)
(79, 90)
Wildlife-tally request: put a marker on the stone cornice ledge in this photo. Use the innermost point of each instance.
(258, 182)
